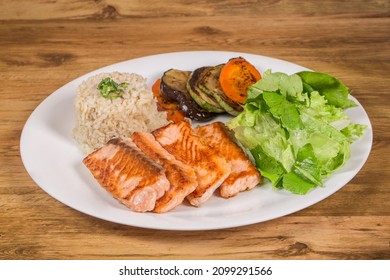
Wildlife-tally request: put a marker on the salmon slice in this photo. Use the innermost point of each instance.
(211, 169)
(181, 176)
(130, 176)
(244, 175)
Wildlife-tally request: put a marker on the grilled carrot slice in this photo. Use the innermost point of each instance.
(235, 78)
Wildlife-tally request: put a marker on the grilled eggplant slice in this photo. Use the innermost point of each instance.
(210, 84)
(204, 100)
(174, 87)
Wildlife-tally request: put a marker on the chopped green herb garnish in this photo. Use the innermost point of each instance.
(110, 89)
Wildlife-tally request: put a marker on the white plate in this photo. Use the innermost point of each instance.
(53, 159)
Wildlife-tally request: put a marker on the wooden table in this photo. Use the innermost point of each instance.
(45, 44)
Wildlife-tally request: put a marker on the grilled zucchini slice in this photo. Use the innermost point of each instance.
(206, 101)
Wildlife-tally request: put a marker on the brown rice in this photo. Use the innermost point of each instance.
(100, 119)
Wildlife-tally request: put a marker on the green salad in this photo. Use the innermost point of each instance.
(296, 129)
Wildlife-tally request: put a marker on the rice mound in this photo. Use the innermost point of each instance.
(100, 119)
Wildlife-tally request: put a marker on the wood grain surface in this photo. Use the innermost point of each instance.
(45, 44)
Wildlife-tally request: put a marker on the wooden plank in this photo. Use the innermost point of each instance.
(63, 9)
(286, 238)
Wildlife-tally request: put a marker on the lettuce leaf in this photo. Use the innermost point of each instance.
(307, 165)
(334, 91)
(281, 108)
(269, 166)
(353, 131)
(296, 184)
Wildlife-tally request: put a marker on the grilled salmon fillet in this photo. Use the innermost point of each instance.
(181, 176)
(211, 169)
(130, 176)
(244, 175)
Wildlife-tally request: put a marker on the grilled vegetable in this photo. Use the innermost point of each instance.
(210, 84)
(163, 104)
(204, 100)
(236, 75)
(174, 88)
